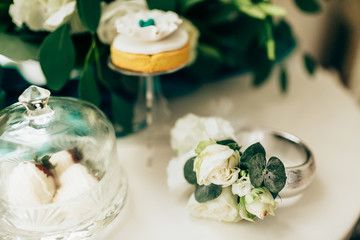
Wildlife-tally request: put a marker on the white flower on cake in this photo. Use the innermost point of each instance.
(41, 15)
(223, 208)
(110, 12)
(29, 185)
(191, 129)
(259, 202)
(148, 25)
(217, 164)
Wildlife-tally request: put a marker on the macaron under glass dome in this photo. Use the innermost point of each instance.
(60, 176)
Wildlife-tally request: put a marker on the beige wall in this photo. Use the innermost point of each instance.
(311, 30)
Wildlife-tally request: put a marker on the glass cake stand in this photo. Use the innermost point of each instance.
(151, 109)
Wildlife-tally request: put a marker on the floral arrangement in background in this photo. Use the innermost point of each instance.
(225, 183)
(229, 35)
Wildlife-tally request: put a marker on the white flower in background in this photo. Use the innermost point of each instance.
(217, 164)
(112, 11)
(175, 175)
(242, 186)
(194, 34)
(191, 129)
(259, 202)
(40, 15)
(223, 208)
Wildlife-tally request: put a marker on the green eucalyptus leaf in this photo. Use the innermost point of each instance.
(88, 89)
(205, 193)
(15, 48)
(57, 57)
(230, 143)
(309, 6)
(189, 173)
(274, 175)
(256, 169)
(225, 142)
(89, 13)
(310, 63)
(166, 5)
(250, 152)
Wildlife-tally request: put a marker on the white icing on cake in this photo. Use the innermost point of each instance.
(175, 41)
(166, 23)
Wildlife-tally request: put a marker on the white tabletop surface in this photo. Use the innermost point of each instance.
(316, 109)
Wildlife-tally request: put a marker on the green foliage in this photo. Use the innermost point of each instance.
(283, 79)
(204, 193)
(230, 143)
(310, 63)
(249, 153)
(89, 13)
(270, 174)
(88, 89)
(57, 57)
(256, 166)
(309, 6)
(16, 48)
(166, 5)
(189, 174)
(274, 175)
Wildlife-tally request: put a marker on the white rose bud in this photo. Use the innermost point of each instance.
(259, 202)
(222, 208)
(217, 164)
(191, 129)
(242, 186)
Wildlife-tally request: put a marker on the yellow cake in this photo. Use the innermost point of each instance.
(157, 47)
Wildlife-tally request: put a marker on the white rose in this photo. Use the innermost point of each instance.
(191, 129)
(259, 202)
(223, 208)
(175, 175)
(242, 186)
(194, 34)
(40, 15)
(110, 12)
(217, 164)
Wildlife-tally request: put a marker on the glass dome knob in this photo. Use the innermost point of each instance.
(35, 100)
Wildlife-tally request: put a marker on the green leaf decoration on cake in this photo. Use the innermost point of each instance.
(189, 174)
(204, 193)
(147, 23)
(57, 69)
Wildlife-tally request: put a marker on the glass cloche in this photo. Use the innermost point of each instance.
(59, 171)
